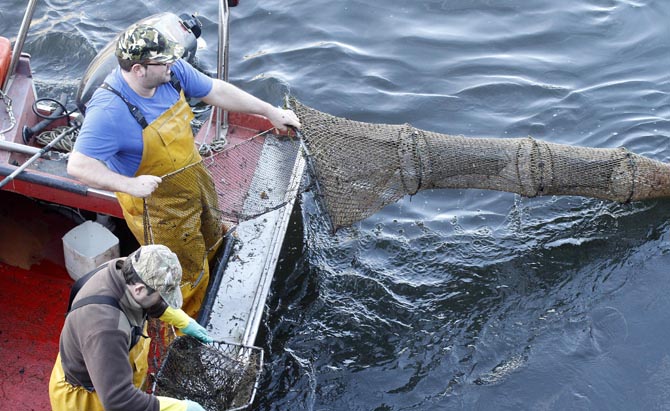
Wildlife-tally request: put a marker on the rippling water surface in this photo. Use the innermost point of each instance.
(452, 299)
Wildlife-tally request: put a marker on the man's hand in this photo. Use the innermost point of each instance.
(196, 330)
(186, 324)
(95, 174)
(282, 119)
(142, 186)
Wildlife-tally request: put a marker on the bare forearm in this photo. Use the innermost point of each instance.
(95, 174)
(231, 98)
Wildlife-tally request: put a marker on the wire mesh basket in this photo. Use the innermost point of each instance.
(219, 376)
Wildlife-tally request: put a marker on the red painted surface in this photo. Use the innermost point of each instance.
(34, 284)
(22, 93)
(5, 58)
(109, 206)
(32, 304)
(34, 288)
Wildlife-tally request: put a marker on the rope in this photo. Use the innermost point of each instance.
(207, 150)
(218, 146)
(65, 144)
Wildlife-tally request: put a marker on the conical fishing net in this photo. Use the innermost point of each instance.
(362, 167)
(219, 376)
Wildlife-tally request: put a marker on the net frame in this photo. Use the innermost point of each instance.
(170, 381)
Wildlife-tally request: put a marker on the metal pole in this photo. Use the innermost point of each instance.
(36, 156)
(18, 45)
(222, 57)
(222, 64)
(18, 148)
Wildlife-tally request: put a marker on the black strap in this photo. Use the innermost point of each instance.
(80, 283)
(174, 81)
(133, 109)
(136, 330)
(97, 299)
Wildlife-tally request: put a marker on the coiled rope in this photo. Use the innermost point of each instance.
(65, 144)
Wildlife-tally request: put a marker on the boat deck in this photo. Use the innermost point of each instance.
(34, 284)
(34, 288)
(244, 281)
(257, 171)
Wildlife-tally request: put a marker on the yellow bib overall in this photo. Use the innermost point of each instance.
(66, 397)
(182, 210)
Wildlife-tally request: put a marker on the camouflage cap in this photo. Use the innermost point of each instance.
(159, 268)
(145, 43)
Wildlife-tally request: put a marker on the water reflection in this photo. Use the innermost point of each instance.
(420, 317)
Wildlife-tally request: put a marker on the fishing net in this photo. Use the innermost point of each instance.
(252, 175)
(359, 168)
(244, 180)
(220, 376)
(362, 167)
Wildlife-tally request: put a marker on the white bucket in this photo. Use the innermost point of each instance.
(87, 246)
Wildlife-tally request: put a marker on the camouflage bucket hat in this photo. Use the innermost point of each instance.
(159, 268)
(145, 43)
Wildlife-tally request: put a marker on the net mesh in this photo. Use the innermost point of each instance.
(362, 167)
(219, 376)
(248, 178)
(252, 175)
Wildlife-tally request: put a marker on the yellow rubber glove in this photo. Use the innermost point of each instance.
(186, 324)
(176, 317)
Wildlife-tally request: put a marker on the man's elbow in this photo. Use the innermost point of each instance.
(78, 166)
(74, 166)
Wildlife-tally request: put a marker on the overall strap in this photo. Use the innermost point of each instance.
(136, 330)
(133, 109)
(174, 81)
(80, 283)
(96, 299)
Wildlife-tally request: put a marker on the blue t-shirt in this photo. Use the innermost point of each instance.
(111, 134)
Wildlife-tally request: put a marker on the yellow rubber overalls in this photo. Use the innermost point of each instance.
(66, 397)
(183, 210)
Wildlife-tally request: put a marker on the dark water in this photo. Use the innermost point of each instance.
(453, 299)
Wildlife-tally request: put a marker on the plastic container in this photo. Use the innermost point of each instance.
(87, 246)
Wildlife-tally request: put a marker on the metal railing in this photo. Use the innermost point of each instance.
(221, 115)
(18, 45)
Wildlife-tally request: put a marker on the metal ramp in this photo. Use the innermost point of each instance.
(243, 278)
